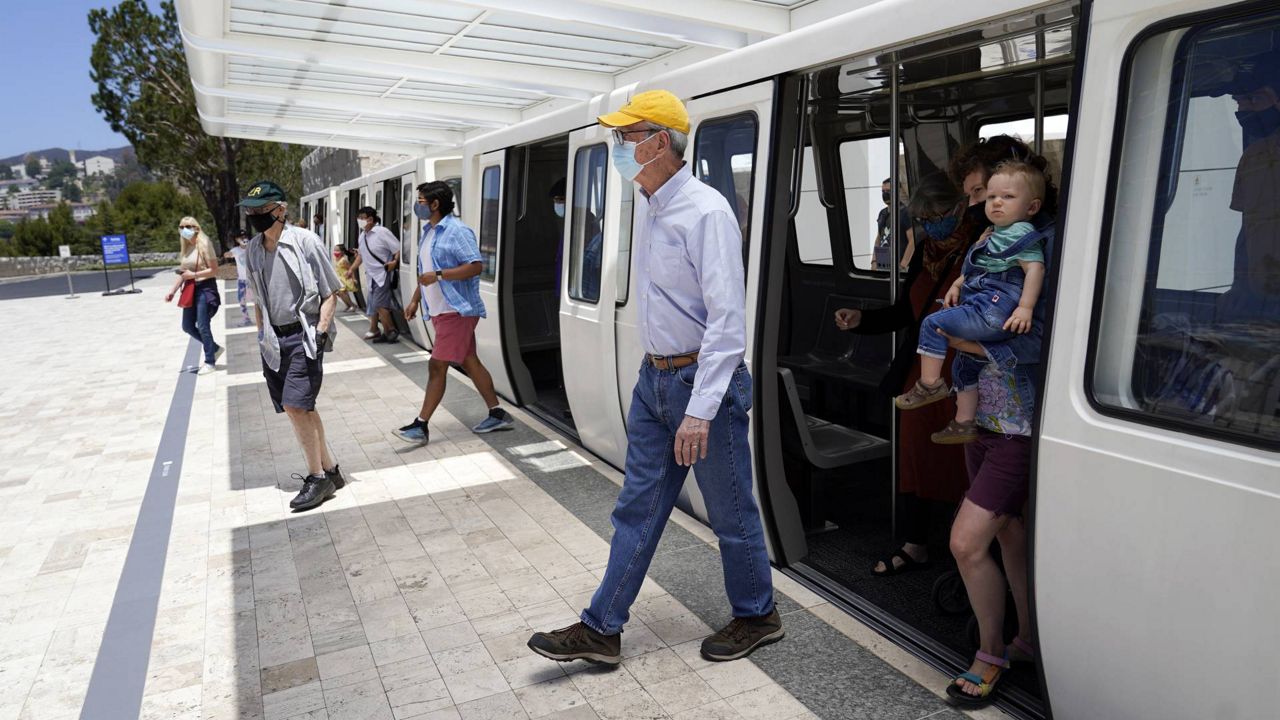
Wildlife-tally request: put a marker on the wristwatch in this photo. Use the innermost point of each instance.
(439, 274)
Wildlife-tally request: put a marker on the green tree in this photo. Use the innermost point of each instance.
(32, 238)
(145, 92)
(60, 173)
(33, 166)
(148, 213)
(64, 229)
(6, 229)
(72, 192)
(6, 172)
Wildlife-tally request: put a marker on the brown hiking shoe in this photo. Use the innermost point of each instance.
(742, 636)
(920, 395)
(956, 433)
(578, 642)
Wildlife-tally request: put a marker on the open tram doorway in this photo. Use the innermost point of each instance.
(534, 265)
(835, 452)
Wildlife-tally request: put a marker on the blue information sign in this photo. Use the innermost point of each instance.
(115, 250)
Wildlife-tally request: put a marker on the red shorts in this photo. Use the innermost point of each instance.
(455, 337)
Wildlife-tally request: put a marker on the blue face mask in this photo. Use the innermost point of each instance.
(942, 228)
(624, 158)
(558, 208)
(422, 211)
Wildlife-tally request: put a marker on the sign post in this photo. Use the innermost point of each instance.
(64, 252)
(115, 251)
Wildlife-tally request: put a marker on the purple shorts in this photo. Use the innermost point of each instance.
(999, 472)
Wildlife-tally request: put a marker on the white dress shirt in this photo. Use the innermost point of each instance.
(690, 285)
(379, 242)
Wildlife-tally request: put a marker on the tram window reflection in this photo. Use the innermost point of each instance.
(1189, 334)
(724, 157)
(490, 205)
(586, 239)
(813, 233)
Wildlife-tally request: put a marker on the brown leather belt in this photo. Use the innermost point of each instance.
(673, 362)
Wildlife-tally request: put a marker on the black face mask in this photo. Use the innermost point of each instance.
(884, 195)
(261, 223)
(1259, 123)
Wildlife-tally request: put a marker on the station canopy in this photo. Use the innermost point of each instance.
(420, 77)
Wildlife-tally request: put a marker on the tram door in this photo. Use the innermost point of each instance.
(410, 229)
(588, 292)
(487, 220)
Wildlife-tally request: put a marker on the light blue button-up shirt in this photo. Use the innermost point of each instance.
(691, 291)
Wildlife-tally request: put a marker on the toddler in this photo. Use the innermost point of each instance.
(991, 301)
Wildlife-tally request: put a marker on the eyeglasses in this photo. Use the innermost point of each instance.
(620, 136)
(188, 227)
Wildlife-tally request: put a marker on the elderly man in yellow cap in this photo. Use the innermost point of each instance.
(690, 402)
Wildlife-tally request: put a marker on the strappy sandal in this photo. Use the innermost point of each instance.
(986, 682)
(1021, 651)
(908, 564)
(920, 395)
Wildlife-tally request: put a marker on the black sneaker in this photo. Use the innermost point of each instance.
(335, 476)
(381, 339)
(742, 636)
(393, 336)
(578, 642)
(315, 490)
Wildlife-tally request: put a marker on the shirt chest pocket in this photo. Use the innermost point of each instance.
(669, 266)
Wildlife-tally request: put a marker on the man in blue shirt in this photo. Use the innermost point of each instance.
(690, 401)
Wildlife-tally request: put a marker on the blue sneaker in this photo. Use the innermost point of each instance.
(498, 419)
(414, 432)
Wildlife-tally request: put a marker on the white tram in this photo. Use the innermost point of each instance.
(1156, 488)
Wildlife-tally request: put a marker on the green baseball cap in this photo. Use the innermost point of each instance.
(263, 192)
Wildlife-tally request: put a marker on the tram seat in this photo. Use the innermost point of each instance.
(536, 318)
(827, 445)
(842, 356)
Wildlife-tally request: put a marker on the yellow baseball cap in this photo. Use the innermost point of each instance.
(656, 106)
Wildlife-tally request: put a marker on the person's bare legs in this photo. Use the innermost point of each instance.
(971, 535)
(930, 370)
(388, 324)
(437, 376)
(481, 378)
(966, 405)
(326, 459)
(346, 300)
(304, 427)
(1013, 551)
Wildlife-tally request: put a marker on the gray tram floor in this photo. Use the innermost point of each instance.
(150, 566)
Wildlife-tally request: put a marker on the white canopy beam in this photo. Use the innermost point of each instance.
(686, 29)
(550, 81)
(319, 127)
(730, 14)
(336, 141)
(445, 112)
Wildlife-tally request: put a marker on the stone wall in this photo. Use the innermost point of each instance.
(20, 266)
(328, 167)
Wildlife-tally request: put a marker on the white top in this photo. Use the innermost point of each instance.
(382, 243)
(432, 294)
(242, 269)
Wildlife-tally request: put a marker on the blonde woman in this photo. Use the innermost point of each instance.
(199, 266)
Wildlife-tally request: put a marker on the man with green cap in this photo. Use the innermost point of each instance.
(295, 288)
(690, 402)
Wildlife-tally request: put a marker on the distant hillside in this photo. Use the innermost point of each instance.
(56, 154)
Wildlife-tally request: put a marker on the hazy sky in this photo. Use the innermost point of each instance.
(45, 86)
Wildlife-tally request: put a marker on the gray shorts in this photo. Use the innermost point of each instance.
(379, 297)
(297, 384)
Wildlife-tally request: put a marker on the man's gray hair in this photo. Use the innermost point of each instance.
(679, 140)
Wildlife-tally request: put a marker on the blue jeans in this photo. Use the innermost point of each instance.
(242, 294)
(195, 322)
(653, 481)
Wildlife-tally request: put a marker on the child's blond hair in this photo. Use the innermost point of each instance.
(1030, 174)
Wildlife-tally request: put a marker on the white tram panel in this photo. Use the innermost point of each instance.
(1146, 539)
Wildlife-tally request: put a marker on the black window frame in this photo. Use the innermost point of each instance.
(576, 257)
(1168, 161)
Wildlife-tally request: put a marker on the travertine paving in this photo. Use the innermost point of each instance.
(409, 595)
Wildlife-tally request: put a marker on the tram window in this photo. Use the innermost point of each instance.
(1052, 146)
(490, 204)
(813, 234)
(864, 168)
(586, 229)
(1188, 333)
(724, 156)
(455, 184)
